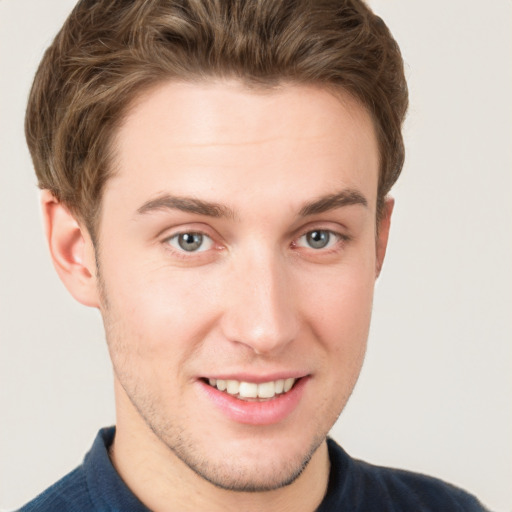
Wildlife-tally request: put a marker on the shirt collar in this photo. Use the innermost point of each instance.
(107, 490)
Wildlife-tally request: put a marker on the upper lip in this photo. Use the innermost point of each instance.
(257, 378)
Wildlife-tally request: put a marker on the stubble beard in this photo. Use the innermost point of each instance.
(230, 474)
(226, 472)
(227, 475)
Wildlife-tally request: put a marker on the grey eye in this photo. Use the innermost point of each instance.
(318, 239)
(191, 242)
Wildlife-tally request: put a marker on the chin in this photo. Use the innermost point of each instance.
(242, 475)
(243, 466)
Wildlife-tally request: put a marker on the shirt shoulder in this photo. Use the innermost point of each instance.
(94, 485)
(424, 493)
(359, 486)
(70, 494)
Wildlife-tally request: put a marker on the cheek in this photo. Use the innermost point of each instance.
(340, 307)
(156, 310)
(341, 300)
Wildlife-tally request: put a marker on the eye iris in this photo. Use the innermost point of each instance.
(190, 241)
(318, 239)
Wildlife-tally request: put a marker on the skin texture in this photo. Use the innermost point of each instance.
(256, 301)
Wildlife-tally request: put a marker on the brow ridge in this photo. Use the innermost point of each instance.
(186, 204)
(323, 204)
(211, 209)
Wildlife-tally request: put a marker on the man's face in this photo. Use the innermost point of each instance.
(237, 249)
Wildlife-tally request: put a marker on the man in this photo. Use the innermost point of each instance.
(215, 180)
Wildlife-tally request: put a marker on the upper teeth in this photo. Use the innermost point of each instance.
(251, 389)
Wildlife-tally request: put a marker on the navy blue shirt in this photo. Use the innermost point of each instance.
(354, 486)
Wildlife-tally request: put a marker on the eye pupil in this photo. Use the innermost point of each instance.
(318, 239)
(190, 241)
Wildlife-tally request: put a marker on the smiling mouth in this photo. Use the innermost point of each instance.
(251, 391)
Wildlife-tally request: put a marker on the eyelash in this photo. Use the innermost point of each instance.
(188, 255)
(340, 241)
(331, 245)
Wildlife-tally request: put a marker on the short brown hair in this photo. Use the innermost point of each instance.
(108, 51)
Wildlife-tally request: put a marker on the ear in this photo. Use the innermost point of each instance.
(383, 233)
(71, 250)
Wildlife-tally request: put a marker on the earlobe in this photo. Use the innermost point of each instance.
(71, 250)
(383, 233)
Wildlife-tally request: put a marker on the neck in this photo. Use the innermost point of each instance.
(163, 482)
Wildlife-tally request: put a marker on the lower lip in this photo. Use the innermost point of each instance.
(266, 412)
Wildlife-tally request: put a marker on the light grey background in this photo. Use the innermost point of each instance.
(436, 391)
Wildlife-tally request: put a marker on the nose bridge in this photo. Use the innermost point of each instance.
(261, 312)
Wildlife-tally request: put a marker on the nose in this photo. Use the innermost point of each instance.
(260, 308)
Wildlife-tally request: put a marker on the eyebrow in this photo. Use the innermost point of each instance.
(323, 204)
(186, 204)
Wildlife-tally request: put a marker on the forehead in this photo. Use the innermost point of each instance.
(220, 139)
